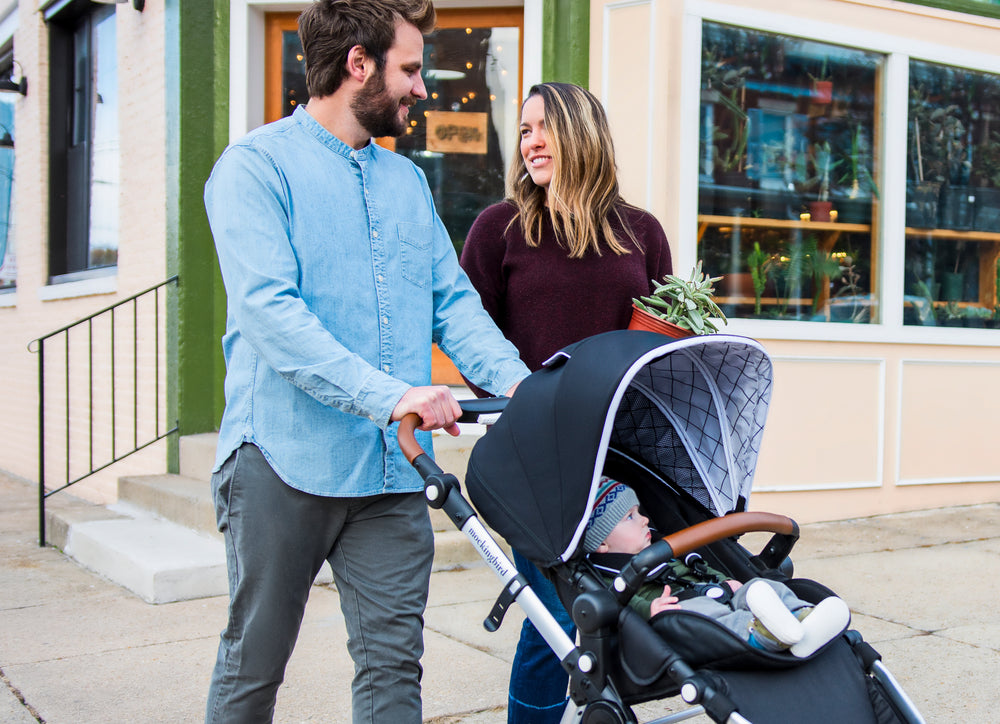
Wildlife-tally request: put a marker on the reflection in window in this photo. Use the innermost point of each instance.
(104, 179)
(787, 180)
(953, 196)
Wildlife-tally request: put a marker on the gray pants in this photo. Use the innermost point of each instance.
(737, 616)
(380, 549)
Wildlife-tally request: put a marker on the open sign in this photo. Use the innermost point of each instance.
(449, 132)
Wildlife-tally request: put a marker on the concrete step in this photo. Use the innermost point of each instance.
(160, 541)
(157, 560)
(197, 455)
(180, 499)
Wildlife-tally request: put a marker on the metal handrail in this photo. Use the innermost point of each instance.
(37, 346)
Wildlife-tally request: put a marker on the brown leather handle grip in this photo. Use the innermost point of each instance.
(684, 541)
(407, 440)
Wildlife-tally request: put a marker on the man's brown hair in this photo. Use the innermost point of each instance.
(329, 29)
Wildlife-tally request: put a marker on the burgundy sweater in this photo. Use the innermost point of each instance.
(541, 299)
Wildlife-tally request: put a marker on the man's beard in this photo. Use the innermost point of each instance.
(376, 111)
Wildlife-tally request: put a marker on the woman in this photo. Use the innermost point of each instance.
(559, 260)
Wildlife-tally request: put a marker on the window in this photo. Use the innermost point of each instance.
(952, 196)
(84, 172)
(465, 133)
(788, 197)
(8, 260)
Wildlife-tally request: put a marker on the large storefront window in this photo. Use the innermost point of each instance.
(953, 196)
(788, 194)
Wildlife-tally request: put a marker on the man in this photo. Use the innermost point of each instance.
(339, 275)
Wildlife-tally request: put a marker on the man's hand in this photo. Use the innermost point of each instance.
(437, 407)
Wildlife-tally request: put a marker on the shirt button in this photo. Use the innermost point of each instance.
(385, 320)
(379, 277)
(375, 234)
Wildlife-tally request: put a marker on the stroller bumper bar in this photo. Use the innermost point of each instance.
(679, 544)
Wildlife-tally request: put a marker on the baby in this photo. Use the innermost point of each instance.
(765, 613)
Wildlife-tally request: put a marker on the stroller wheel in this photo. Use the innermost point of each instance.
(603, 712)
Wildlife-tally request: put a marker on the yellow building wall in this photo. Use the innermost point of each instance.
(856, 427)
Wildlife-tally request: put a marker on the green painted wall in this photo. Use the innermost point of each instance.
(197, 52)
(566, 41)
(976, 7)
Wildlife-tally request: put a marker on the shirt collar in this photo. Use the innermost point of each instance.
(314, 128)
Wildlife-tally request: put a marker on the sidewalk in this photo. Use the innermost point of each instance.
(75, 649)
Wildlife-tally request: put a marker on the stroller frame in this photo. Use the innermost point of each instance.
(594, 698)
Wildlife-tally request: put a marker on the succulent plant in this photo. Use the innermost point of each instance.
(687, 303)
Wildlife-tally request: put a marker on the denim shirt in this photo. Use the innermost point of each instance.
(338, 274)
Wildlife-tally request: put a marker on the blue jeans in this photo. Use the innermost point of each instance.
(537, 693)
(380, 549)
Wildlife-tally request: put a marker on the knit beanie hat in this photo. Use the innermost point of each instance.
(613, 501)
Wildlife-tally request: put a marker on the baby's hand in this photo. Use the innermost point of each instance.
(664, 602)
(734, 585)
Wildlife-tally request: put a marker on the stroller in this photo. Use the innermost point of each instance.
(681, 421)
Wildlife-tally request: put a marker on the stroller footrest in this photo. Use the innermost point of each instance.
(507, 597)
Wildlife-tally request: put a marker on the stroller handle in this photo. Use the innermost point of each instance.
(709, 531)
(407, 440)
(476, 410)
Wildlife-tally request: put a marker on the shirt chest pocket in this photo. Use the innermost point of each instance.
(415, 257)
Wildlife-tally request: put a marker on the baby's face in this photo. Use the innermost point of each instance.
(631, 534)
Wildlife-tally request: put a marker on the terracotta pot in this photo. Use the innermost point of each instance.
(822, 91)
(642, 320)
(820, 210)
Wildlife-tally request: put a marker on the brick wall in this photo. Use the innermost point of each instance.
(31, 311)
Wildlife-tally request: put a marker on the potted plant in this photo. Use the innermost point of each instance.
(729, 134)
(759, 263)
(942, 164)
(822, 85)
(821, 158)
(923, 187)
(985, 176)
(953, 281)
(679, 307)
(861, 188)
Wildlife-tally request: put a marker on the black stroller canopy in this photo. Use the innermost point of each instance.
(692, 409)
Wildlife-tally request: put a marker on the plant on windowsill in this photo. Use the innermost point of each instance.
(821, 160)
(861, 188)
(679, 307)
(822, 85)
(727, 86)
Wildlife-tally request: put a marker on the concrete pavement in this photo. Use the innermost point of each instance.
(76, 649)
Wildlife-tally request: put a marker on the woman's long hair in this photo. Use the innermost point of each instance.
(583, 196)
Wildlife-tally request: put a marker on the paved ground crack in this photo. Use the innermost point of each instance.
(20, 697)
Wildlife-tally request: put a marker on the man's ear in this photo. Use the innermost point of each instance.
(357, 63)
